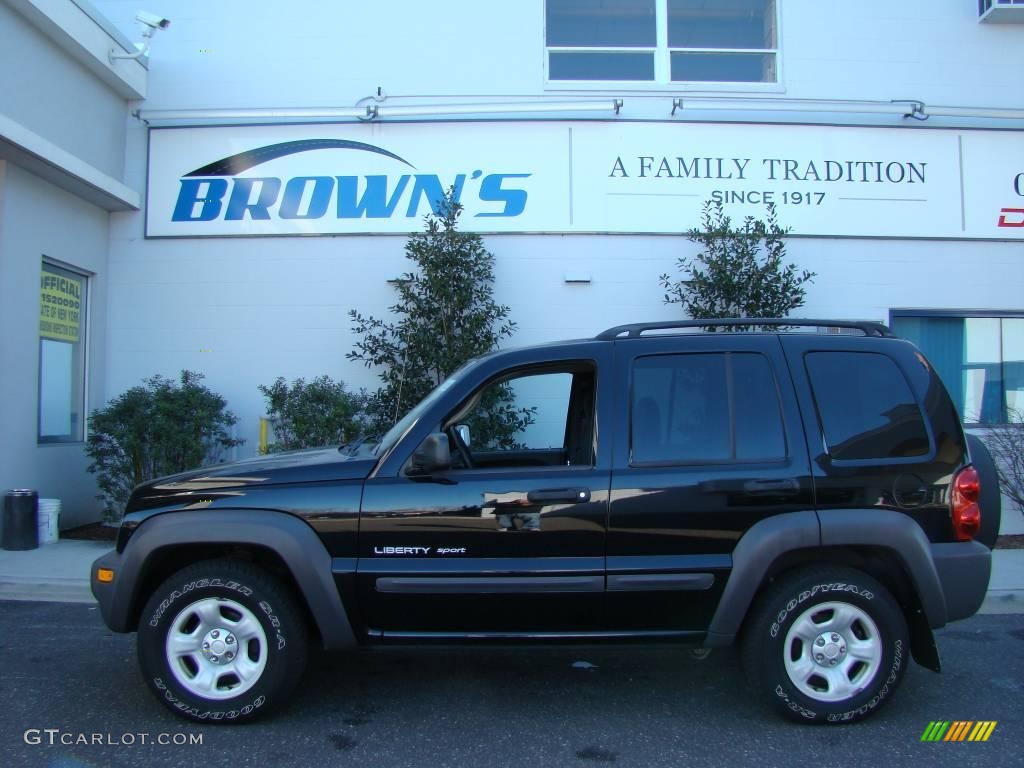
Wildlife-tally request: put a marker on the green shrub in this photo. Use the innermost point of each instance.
(740, 270)
(156, 429)
(445, 315)
(322, 412)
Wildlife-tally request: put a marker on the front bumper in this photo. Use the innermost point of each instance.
(110, 595)
(964, 569)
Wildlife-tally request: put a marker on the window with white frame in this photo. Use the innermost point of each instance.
(62, 303)
(662, 41)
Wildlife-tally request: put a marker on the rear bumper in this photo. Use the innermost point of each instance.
(964, 569)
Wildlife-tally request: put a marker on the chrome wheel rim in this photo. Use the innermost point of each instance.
(216, 648)
(832, 652)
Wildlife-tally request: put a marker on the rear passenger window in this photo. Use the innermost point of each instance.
(866, 408)
(704, 408)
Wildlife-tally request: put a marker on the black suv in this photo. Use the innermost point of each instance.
(801, 487)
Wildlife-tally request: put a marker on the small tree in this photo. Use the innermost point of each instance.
(1006, 443)
(322, 412)
(445, 315)
(739, 271)
(156, 429)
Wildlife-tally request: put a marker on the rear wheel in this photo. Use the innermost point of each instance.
(826, 645)
(221, 641)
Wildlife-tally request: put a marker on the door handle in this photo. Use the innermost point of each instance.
(559, 496)
(788, 487)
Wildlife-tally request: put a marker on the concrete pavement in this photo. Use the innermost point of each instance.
(57, 572)
(1006, 584)
(60, 572)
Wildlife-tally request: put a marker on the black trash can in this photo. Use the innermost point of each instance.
(21, 520)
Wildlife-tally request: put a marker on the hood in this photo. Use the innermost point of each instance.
(306, 466)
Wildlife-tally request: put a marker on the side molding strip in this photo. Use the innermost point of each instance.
(484, 585)
(650, 582)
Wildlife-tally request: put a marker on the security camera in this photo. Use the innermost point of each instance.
(152, 20)
(150, 23)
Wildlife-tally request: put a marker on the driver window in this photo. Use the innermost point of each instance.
(532, 419)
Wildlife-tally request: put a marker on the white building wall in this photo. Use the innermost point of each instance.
(235, 53)
(63, 123)
(931, 50)
(246, 310)
(49, 93)
(37, 219)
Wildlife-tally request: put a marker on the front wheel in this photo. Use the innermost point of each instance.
(826, 645)
(221, 641)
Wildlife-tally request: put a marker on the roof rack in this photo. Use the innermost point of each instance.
(635, 330)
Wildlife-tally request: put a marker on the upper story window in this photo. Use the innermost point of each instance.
(662, 41)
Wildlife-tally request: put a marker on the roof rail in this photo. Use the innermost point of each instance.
(635, 330)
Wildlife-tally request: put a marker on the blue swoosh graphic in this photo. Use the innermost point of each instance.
(243, 161)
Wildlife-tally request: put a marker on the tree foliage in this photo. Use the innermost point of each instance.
(445, 315)
(739, 271)
(156, 429)
(308, 415)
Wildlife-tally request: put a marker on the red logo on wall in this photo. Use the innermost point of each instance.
(1011, 217)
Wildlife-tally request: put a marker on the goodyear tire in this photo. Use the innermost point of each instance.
(221, 641)
(826, 645)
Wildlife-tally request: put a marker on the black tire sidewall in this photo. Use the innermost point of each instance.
(789, 602)
(271, 607)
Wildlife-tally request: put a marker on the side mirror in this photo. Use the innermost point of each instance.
(463, 430)
(433, 455)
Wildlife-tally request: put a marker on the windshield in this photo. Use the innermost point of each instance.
(406, 422)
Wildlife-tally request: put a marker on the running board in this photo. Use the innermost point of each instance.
(657, 635)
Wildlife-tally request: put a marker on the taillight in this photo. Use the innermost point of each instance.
(964, 504)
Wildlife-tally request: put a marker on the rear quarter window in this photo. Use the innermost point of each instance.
(866, 407)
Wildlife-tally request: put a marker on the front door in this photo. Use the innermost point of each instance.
(510, 540)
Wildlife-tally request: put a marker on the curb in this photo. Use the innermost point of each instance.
(51, 591)
(1003, 601)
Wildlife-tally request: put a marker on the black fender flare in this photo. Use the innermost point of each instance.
(991, 501)
(900, 534)
(770, 539)
(764, 543)
(291, 538)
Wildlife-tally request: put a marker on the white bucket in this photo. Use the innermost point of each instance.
(49, 520)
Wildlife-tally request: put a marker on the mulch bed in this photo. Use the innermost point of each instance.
(91, 532)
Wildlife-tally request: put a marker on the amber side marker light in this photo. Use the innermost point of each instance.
(104, 575)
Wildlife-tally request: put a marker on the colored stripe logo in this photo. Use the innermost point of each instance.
(959, 730)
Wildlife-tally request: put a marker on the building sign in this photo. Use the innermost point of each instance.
(616, 177)
(60, 307)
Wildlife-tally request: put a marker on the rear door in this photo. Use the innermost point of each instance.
(711, 444)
